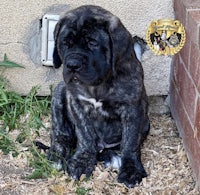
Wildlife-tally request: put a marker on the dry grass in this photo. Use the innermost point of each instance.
(163, 156)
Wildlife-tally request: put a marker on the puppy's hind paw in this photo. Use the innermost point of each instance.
(131, 175)
(78, 166)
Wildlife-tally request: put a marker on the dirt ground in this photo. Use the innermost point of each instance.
(163, 157)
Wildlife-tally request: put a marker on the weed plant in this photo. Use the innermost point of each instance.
(24, 114)
(13, 107)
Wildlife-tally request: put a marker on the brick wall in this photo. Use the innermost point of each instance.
(185, 82)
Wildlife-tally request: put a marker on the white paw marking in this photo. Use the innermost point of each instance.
(57, 166)
(115, 162)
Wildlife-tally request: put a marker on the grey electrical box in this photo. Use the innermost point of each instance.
(48, 25)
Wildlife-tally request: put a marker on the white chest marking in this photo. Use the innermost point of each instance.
(92, 101)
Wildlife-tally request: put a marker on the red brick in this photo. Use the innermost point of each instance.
(173, 98)
(174, 62)
(178, 73)
(197, 122)
(182, 7)
(186, 89)
(191, 146)
(178, 108)
(185, 50)
(190, 4)
(194, 64)
(193, 26)
(188, 93)
(185, 80)
(176, 103)
(199, 36)
(185, 128)
(174, 68)
(180, 11)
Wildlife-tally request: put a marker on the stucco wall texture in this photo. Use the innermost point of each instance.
(20, 39)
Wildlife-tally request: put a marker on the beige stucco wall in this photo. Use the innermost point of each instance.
(20, 22)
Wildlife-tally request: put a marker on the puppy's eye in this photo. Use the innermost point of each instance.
(68, 42)
(91, 42)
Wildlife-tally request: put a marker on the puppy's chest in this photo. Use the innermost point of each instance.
(96, 108)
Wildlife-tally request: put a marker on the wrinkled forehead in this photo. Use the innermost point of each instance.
(89, 26)
(95, 32)
(79, 18)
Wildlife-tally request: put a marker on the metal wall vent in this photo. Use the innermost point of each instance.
(48, 25)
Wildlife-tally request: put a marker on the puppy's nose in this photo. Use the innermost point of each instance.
(73, 65)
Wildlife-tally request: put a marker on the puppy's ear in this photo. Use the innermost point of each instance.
(124, 60)
(121, 43)
(56, 58)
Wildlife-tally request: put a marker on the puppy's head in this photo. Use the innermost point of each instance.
(91, 43)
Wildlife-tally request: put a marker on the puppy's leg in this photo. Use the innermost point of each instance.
(84, 159)
(63, 137)
(135, 124)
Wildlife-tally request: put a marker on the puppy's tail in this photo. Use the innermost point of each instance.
(40, 145)
(139, 46)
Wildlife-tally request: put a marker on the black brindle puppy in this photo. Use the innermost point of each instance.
(99, 112)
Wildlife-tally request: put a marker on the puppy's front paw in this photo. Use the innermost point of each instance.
(58, 156)
(76, 166)
(131, 175)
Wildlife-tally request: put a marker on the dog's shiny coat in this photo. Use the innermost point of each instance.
(99, 112)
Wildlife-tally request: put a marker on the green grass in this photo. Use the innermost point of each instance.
(42, 167)
(24, 114)
(7, 145)
(82, 191)
(13, 107)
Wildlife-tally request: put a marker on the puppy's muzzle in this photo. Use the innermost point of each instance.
(74, 65)
(75, 62)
